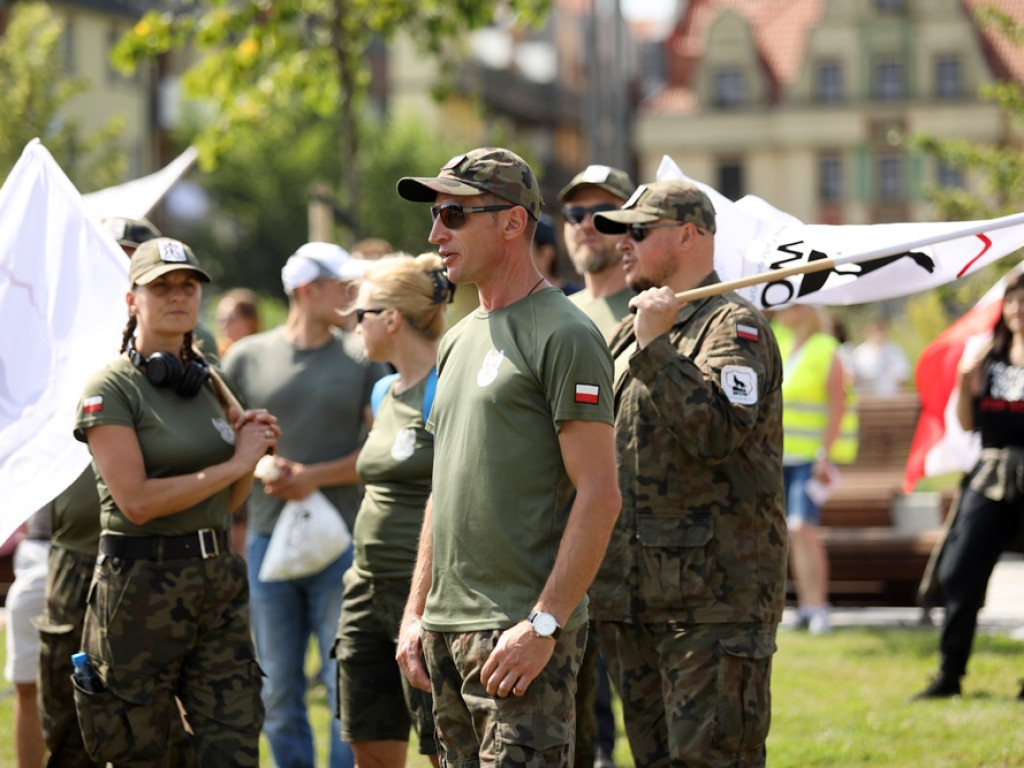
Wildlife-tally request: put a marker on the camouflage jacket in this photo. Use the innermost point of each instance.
(698, 427)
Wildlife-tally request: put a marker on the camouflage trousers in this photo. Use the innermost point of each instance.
(476, 729)
(159, 629)
(60, 633)
(692, 696)
(375, 700)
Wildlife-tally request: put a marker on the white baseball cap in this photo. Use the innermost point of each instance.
(319, 261)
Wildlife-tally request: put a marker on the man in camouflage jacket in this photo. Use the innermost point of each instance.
(691, 590)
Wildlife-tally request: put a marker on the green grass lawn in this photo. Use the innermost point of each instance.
(840, 700)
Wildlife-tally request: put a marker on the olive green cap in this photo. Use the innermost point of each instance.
(605, 177)
(155, 258)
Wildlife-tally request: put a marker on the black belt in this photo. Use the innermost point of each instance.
(205, 543)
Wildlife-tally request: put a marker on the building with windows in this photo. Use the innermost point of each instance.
(806, 103)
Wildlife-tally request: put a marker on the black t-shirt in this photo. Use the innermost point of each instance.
(999, 407)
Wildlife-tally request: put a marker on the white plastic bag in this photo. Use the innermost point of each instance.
(308, 536)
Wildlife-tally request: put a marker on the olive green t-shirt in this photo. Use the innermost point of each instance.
(76, 515)
(507, 379)
(395, 465)
(606, 312)
(319, 397)
(177, 435)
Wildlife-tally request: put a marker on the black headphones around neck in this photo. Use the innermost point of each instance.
(165, 370)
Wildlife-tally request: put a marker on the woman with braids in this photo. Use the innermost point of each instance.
(401, 315)
(168, 608)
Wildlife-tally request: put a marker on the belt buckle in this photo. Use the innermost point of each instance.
(213, 549)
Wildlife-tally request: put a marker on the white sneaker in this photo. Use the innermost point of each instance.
(820, 622)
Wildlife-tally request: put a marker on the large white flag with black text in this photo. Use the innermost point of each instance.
(883, 261)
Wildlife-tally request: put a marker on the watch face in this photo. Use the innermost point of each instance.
(544, 624)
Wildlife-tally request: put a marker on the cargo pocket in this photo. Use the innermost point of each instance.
(117, 722)
(674, 555)
(744, 709)
(544, 744)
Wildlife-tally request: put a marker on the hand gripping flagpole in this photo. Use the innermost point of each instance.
(820, 265)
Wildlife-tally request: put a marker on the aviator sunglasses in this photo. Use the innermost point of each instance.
(575, 214)
(453, 215)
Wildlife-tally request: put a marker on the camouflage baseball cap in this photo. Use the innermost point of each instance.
(673, 199)
(495, 170)
(604, 176)
(155, 258)
(130, 232)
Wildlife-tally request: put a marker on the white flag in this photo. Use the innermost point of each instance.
(63, 281)
(883, 261)
(136, 198)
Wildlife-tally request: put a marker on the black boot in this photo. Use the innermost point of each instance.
(942, 687)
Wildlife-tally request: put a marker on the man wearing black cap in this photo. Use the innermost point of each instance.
(691, 590)
(524, 484)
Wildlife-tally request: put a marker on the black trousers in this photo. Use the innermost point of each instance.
(981, 532)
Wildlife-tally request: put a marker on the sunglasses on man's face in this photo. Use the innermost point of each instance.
(453, 215)
(575, 214)
(639, 231)
(363, 312)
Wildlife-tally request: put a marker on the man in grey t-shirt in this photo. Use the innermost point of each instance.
(525, 486)
(317, 383)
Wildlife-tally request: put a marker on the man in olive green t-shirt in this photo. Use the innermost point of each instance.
(525, 486)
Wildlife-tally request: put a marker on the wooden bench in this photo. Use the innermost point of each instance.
(872, 561)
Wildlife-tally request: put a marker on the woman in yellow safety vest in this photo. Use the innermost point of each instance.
(819, 430)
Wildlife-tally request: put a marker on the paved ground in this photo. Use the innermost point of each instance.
(1003, 611)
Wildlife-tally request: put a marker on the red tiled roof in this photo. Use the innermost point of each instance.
(780, 29)
(1005, 57)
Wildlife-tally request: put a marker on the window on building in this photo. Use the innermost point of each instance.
(830, 82)
(830, 178)
(889, 82)
(890, 178)
(729, 87)
(730, 179)
(949, 176)
(947, 78)
(891, 6)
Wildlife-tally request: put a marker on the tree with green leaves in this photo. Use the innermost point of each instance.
(257, 58)
(36, 89)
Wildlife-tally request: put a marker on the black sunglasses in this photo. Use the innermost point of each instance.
(575, 214)
(639, 231)
(361, 312)
(453, 215)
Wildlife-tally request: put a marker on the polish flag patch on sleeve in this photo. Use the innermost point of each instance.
(747, 332)
(93, 404)
(587, 393)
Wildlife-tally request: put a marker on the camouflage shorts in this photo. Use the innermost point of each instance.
(375, 700)
(475, 728)
(156, 629)
(692, 696)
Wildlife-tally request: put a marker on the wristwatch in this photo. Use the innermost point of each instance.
(544, 624)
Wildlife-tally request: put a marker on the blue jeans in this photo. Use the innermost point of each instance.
(284, 615)
(799, 506)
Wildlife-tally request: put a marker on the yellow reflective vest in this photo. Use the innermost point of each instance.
(805, 399)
